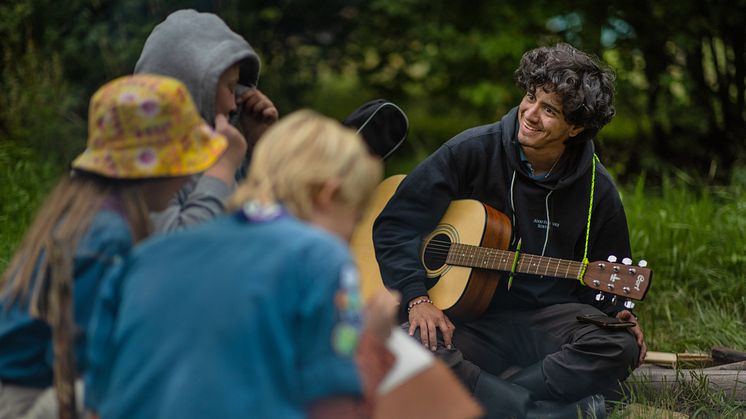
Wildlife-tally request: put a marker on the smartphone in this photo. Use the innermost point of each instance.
(605, 321)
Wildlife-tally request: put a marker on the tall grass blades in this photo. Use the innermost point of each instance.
(694, 238)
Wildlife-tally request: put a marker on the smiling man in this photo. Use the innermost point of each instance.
(536, 165)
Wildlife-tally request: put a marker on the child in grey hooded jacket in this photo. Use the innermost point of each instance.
(201, 51)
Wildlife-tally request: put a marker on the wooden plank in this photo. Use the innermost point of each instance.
(693, 360)
(723, 355)
(731, 382)
(680, 360)
(736, 366)
(664, 359)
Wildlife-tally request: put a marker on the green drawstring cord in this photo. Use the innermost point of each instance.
(588, 226)
(515, 263)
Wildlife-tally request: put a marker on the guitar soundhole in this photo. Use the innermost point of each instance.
(436, 252)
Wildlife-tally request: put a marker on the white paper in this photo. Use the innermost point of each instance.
(411, 359)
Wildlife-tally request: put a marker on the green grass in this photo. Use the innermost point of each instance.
(694, 238)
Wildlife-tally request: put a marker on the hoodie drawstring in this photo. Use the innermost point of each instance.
(512, 206)
(549, 223)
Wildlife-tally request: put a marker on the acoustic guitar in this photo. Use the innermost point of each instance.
(465, 257)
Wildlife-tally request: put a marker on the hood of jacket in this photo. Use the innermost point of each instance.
(196, 48)
(575, 162)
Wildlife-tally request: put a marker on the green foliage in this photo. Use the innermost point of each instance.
(681, 67)
(26, 181)
(36, 108)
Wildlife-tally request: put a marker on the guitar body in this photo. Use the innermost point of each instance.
(462, 291)
(361, 243)
(459, 291)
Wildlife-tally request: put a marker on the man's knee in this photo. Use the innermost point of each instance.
(620, 350)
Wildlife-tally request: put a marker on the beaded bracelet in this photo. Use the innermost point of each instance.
(418, 301)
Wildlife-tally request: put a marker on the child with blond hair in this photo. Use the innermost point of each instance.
(257, 313)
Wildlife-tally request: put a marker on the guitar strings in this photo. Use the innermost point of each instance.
(442, 248)
(545, 266)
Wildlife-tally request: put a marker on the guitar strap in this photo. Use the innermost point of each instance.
(588, 226)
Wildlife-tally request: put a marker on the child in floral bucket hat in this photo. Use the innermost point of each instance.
(147, 126)
(145, 139)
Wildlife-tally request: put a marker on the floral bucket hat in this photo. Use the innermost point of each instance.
(147, 126)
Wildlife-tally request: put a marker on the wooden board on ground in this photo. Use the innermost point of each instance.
(732, 382)
(736, 366)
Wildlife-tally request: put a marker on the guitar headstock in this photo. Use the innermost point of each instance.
(620, 279)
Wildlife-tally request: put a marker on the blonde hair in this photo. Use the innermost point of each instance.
(298, 154)
(63, 219)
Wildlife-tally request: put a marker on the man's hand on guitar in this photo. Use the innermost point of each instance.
(428, 318)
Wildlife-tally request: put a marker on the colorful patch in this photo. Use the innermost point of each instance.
(345, 338)
(257, 212)
(346, 332)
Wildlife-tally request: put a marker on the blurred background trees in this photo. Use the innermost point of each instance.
(681, 67)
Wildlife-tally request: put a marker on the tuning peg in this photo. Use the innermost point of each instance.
(627, 261)
(600, 296)
(629, 304)
(613, 300)
(642, 263)
(611, 258)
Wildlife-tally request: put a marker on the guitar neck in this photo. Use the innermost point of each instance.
(502, 260)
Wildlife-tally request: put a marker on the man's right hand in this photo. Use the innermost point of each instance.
(429, 319)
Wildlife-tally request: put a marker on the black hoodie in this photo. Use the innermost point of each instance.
(483, 163)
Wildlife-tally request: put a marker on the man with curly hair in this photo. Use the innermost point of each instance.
(536, 165)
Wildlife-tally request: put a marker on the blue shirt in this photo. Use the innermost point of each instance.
(26, 354)
(231, 319)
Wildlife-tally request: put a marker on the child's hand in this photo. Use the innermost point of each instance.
(258, 114)
(226, 166)
(380, 313)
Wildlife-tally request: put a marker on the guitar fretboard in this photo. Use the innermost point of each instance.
(502, 260)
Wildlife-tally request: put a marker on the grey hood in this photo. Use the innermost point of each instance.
(197, 48)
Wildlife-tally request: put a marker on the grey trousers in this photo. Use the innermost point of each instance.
(578, 359)
(46, 406)
(16, 400)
